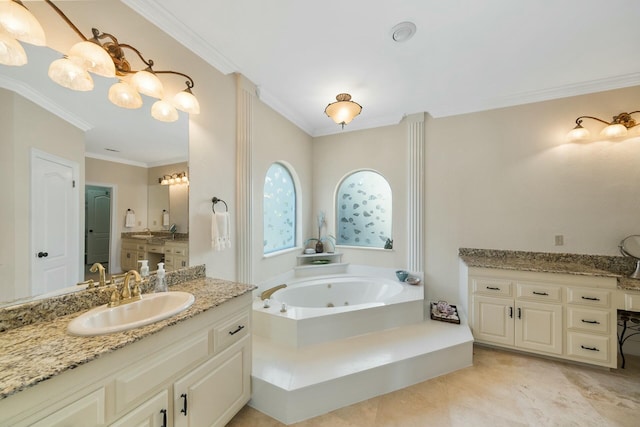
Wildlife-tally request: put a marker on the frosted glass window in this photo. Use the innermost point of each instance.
(279, 209)
(363, 209)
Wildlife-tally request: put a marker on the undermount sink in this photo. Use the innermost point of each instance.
(150, 309)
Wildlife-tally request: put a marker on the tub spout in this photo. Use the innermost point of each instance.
(267, 294)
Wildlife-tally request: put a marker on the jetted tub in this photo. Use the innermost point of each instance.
(330, 307)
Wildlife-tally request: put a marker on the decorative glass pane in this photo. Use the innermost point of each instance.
(279, 209)
(363, 210)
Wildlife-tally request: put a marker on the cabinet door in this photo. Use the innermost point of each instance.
(152, 413)
(84, 412)
(493, 320)
(539, 327)
(213, 393)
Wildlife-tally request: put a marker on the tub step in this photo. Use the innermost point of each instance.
(292, 384)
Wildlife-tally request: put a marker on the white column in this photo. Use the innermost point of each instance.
(245, 94)
(415, 196)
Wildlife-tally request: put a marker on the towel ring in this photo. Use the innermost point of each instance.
(216, 200)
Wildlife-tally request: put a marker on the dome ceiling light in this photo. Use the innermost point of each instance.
(403, 31)
(343, 110)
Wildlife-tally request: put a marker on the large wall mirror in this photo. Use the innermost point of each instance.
(121, 150)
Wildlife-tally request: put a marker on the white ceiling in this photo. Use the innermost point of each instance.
(467, 55)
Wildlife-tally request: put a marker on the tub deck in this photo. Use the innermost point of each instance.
(294, 384)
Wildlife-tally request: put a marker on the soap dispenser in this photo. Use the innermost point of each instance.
(144, 268)
(161, 280)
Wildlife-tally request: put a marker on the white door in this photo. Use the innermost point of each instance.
(54, 223)
(98, 223)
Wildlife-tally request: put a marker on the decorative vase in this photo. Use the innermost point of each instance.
(319, 247)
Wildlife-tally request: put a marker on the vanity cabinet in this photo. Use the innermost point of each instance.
(194, 373)
(176, 255)
(132, 251)
(560, 315)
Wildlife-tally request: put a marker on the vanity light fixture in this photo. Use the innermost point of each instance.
(103, 54)
(17, 23)
(343, 110)
(617, 128)
(175, 178)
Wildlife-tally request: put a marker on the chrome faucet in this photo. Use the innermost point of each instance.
(127, 294)
(100, 268)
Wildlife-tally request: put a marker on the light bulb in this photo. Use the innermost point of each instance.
(123, 95)
(147, 84)
(164, 111)
(614, 130)
(69, 74)
(578, 134)
(187, 102)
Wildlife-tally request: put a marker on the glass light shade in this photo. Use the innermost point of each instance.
(148, 84)
(19, 23)
(615, 130)
(578, 134)
(11, 52)
(164, 181)
(123, 95)
(165, 112)
(187, 102)
(94, 57)
(343, 110)
(69, 74)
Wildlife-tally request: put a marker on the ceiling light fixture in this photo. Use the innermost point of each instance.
(617, 128)
(343, 110)
(174, 178)
(17, 23)
(108, 59)
(403, 31)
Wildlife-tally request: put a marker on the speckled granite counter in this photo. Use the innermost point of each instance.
(587, 265)
(35, 352)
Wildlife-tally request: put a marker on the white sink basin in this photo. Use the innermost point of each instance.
(151, 308)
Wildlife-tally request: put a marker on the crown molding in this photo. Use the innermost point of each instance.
(167, 22)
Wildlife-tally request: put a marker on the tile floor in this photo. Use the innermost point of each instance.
(501, 389)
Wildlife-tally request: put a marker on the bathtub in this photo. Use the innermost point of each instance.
(330, 307)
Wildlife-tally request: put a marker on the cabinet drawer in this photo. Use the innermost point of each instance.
(632, 301)
(180, 251)
(588, 347)
(227, 333)
(538, 292)
(156, 249)
(495, 287)
(134, 383)
(588, 320)
(140, 247)
(88, 410)
(591, 297)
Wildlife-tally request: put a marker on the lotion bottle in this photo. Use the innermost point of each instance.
(161, 280)
(144, 268)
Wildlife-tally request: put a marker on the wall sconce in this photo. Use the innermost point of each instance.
(107, 59)
(176, 178)
(343, 110)
(617, 128)
(17, 23)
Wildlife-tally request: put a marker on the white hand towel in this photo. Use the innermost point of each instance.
(130, 219)
(220, 229)
(165, 218)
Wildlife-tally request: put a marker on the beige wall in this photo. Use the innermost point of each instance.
(53, 136)
(7, 195)
(506, 179)
(177, 197)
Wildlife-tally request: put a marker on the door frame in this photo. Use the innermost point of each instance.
(114, 239)
(78, 236)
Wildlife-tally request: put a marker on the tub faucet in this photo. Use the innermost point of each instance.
(267, 294)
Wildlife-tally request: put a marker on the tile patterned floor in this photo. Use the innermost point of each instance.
(501, 389)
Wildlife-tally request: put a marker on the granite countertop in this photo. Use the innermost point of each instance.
(587, 265)
(33, 353)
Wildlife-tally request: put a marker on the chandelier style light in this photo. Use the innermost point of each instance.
(17, 24)
(103, 55)
(343, 110)
(174, 178)
(616, 128)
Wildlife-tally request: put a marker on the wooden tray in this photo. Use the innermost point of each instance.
(436, 315)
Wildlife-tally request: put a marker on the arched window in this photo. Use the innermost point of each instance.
(279, 209)
(363, 210)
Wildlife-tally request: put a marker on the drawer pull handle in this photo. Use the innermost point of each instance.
(590, 298)
(511, 312)
(493, 288)
(519, 313)
(238, 329)
(541, 293)
(589, 348)
(184, 404)
(164, 417)
(593, 322)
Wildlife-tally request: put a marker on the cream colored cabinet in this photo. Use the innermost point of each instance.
(86, 411)
(129, 255)
(152, 413)
(552, 314)
(176, 255)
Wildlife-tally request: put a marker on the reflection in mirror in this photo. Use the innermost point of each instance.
(630, 246)
(114, 149)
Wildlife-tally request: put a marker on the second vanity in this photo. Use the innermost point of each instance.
(191, 369)
(173, 252)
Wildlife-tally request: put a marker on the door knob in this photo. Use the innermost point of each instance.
(90, 231)
(42, 254)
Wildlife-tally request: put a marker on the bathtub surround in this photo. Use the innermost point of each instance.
(311, 360)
